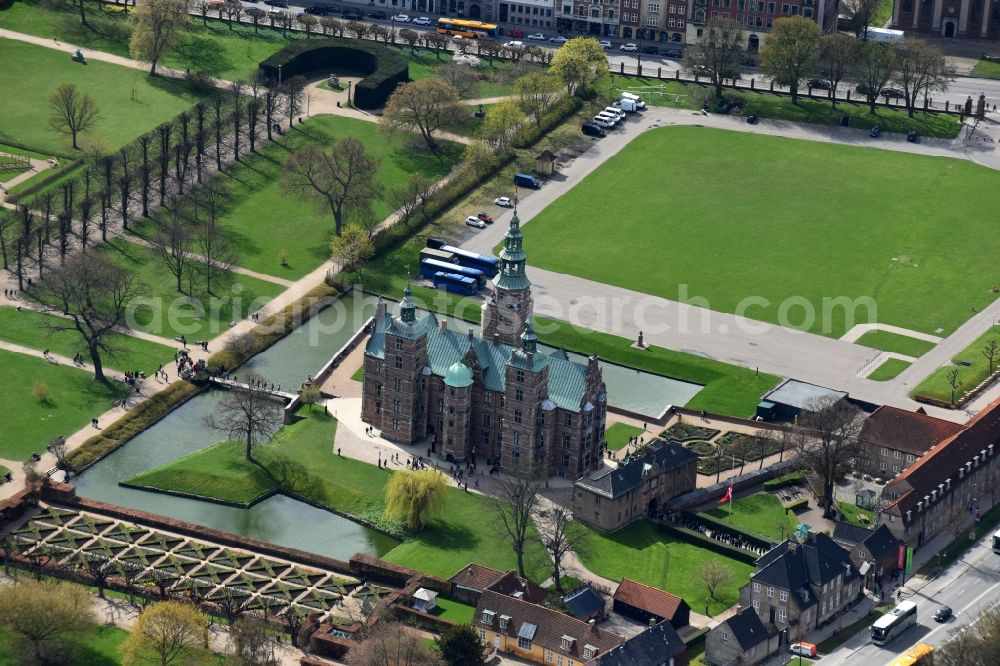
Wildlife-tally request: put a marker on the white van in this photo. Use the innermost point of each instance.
(603, 121)
(615, 111)
(635, 98)
(626, 105)
(610, 117)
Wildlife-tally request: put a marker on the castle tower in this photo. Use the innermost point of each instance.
(507, 310)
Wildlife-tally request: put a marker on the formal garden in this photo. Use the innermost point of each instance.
(719, 451)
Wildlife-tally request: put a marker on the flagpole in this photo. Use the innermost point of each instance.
(731, 492)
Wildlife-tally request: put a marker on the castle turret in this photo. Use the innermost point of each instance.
(505, 313)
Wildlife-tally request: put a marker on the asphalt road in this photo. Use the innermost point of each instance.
(968, 586)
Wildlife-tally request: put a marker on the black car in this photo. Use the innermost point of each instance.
(317, 10)
(943, 614)
(819, 83)
(893, 92)
(353, 15)
(590, 129)
(377, 14)
(276, 3)
(651, 50)
(673, 53)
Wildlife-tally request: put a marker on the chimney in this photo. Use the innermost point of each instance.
(443, 325)
(652, 621)
(593, 625)
(496, 338)
(470, 334)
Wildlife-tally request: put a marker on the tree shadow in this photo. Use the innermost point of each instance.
(203, 54)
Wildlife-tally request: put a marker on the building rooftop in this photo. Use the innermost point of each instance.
(747, 628)
(902, 430)
(612, 483)
(801, 395)
(655, 645)
(659, 603)
(796, 566)
(476, 577)
(584, 603)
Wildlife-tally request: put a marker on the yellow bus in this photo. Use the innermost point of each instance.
(915, 656)
(465, 28)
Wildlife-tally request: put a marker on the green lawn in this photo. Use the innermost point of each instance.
(618, 434)
(359, 374)
(264, 221)
(883, 245)
(851, 513)
(35, 72)
(883, 12)
(495, 80)
(98, 647)
(14, 150)
(455, 611)
(761, 514)
(27, 328)
(972, 368)
(300, 458)
(642, 553)
(893, 342)
(202, 316)
(889, 369)
(29, 423)
(987, 69)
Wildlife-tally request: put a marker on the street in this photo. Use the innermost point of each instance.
(968, 586)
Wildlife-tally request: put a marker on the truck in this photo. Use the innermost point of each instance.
(885, 35)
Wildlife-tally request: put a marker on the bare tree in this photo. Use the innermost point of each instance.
(460, 77)
(877, 63)
(217, 253)
(172, 243)
(555, 536)
(156, 24)
(860, 13)
(826, 441)
(954, 382)
(410, 197)
(720, 52)
(714, 575)
(253, 642)
(838, 55)
(990, 351)
(247, 414)
(73, 112)
(513, 505)
(391, 644)
(98, 567)
(424, 106)
(92, 295)
(920, 70)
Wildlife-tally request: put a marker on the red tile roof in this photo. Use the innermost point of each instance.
(659, 603)
(476, 577)
(902, 430)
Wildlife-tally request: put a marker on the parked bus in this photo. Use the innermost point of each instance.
(918, 655)
(437, 255)
(488, 265)
(466, 28)
(428, 267)
(996, 541)
(895, 622)
(459, 284)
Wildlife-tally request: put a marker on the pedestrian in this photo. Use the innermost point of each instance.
(476, 485)
(338, 452)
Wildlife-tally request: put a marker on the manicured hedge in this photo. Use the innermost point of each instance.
(721, 525)
(384, 69)
(792, 479)
(797, 504)
(699, 539)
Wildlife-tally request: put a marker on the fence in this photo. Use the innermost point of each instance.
(9, 161)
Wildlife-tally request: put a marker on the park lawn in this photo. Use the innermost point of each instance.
(882, 246)
(642, 553)
(889, 369)
(851, 513)
(96, 647)
(27, 328)
(455, 611)
(264, 221)
(35, 72)
(972, 368)
(987, 69)
(12, 173)
(760, 514)
(29, 424)
(894, 342)
(201, 316)
(14, 150)
(617, 435)
(495, 80)
(883, 12)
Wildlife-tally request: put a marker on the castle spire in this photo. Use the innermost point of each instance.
(407, 309)
(529, 341)
(512, 258)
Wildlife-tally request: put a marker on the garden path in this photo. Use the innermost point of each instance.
(235, 269)
(37, 166)
(860, 329)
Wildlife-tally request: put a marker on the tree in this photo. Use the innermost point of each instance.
(460, 77)
(826, 441)
(860, 13)
(513, 506)
(838, 54)
(98, 567)
(536, 92)
(234, 10)
(424, 106)
(411, 196)
(309, 22)
(720, 52)
(217, 253)
(459, 645)
(920, 70)
(352, 247)
(415, 496)
(256, 15)
(411, 37)
(555, 537)
(156, 24)
(975, 645)
(501, 126)
(309, 395)
(714, 575)
(990, 351)
(954, 382)
(876, 67)
(73, 112)
(790, 52)
(172, 244)
(91, 295)
(343, 179)
(391, 644)
(579, 63)
(40, 616)
(166, 633)
(247, 414)
(252, 642)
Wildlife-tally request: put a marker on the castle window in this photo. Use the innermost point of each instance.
(451, 392)
(568, 419)
(378, 389)
(487, 420)
(399, 362)
(519, 376)
(518, 395)
(488, 398)
(395, 406)
(517, 439)
(566, 440)
(398, 383)
(517, 416)
(399, 344)
(395, 424)
(486, 437)
(565, 461)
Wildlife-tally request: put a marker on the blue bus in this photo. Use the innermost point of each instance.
(488, 265)
(456, 283)
(428, 267)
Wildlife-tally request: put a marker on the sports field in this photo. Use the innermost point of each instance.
(728, 215)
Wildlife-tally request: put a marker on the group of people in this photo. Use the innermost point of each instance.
(133, 377)
(728, 538)
(10, 293)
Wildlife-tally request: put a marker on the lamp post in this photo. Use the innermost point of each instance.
(279, 74)
(348, 93)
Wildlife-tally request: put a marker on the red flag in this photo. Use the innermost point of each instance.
(728, 496)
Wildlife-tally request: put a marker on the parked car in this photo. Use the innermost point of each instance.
(651, 50)
(673, 53)
(276, 3)
(804, 649)
(485, 217)
(401, 18)
(536, 37)
(603, 122)
(591, 129)
(527, 180)
(473, 221)
(635, 98)
(605, 44)
(352, 15)
(629, 47)
(558, 39)
(378, 15)
(422, 20)
(609, 117)
(893, 92)
(615, 111)
(515, 34)
(504, 202)
(818, 83)
(317, 10)
(513, 44)
(943, 614)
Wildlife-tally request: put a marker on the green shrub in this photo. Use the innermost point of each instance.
(797, 504)
(142, 416)
(791, 479)
(559, 112)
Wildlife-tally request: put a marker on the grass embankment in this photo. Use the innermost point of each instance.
(642, 553)
(852, 513)
(879, 245)
(987, 69)
(760, 514)
(301, 460)
(894, 342)
(888, 369)
(30, 329)
(973, 367)
(618, 434)
(72, 398)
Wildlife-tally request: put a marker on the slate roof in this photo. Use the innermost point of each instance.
(659, 603)
(881, 543)
(612, 483)
(567, 379)
(584, 603)
(747, 628)
(801, 395)
(849, 534)
(655, 645)
(795, 567)
(902, 430)
(476, 577)
(550, 626)
(510, 583)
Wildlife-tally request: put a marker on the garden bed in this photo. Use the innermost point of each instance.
(683, 432)
(700, 447)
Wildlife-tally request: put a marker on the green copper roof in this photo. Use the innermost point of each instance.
(459, 375)
(512, 259)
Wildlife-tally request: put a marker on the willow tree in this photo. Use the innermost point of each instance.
(415, 496)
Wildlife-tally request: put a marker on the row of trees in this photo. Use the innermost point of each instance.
(796, 51)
